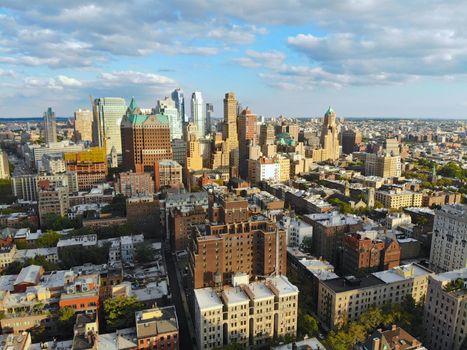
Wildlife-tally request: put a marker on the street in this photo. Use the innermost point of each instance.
(186, 343)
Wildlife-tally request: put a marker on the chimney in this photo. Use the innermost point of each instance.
(376, 343)
(394, 327)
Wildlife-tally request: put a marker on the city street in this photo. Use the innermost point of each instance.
(186, 343)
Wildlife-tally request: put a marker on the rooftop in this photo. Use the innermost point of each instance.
(401, 273)
(234, 295)
(207, 299)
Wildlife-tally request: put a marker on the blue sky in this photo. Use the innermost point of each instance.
(366, 58)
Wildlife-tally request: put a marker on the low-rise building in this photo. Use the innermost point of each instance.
(157, 328)
(167, 173)
(133, 184)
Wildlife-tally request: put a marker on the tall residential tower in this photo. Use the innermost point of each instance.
(197, 115)
(50, 126)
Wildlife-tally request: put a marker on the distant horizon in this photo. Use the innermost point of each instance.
(62, 118)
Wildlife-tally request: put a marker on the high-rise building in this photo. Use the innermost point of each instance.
(230, 120)
(4, 165)
(234, 241)
(350, 139)
(107, 117)
(209, 114)
(266, 134)
(329, 136)
(90, 165)
(167, 173)
(179, 151)
(445, 318)
(168, 108)
(382, 165)
(448, 248)
(50, 126)
(246, 123)
(197, 116)
(194, 160)
(391, 147)
(83, 125)
(145, 139)
(179, 99)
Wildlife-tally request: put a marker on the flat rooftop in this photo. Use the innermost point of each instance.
(402, 273)
(207, 299)
(260, 291)
(345, 284)
(234, 295)
(282, 284)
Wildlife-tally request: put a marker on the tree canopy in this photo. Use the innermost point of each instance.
(120, 311)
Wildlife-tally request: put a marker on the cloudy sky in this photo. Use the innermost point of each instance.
(366, 58)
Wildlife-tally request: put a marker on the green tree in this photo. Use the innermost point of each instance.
(56, 222)
(307, 245)
(310, 325)
(371, 319)
(76, 256)
(453, 170)
(48, 239)
(66, 313)
(144, 252)
(120, 312)
(13, 269)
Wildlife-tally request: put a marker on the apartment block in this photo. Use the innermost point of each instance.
(53, 201)
(344, 299)
(361, 254)
(131, 184)
(167, 173)
(329, 230)
(448, 249)
(445, 316)
(249, 314)
(382, 165)
(397, 198)
(90, 165)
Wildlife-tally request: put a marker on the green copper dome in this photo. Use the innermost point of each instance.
(330, 110)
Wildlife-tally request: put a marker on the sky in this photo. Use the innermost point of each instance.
(365, 58)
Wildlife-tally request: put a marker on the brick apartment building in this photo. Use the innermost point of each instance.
(181, 222)
(90, 165)
(362, 255)
(235, 241)
(329, 230)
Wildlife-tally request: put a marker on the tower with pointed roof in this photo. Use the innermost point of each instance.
(145, 139)
(329, 136)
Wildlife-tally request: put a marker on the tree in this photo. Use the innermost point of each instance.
(307, 245)
(48, 239)
(144, 252)
(310, 325)
(66, 313)
(371, 319)
(120, 311)
(41, 261)
(76, 255)
(13, 269)
(56, 222)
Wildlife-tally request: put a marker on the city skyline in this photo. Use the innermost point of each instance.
(365, 58)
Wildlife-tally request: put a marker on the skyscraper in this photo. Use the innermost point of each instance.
(209, 113)
(179, 99)
(246, 122)
(50, 126)
(197, 115)
(230, 120)
(108, 113)
(83, 125)
(145, 139)
(167, 107)
(329, 138)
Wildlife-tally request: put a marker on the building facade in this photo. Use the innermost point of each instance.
(50, 126)
(445, 318)
(131, 184)
(197, 115)
(108, 113)
(448, 243)
(90, 166)
(83, 125)
(145, 139)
